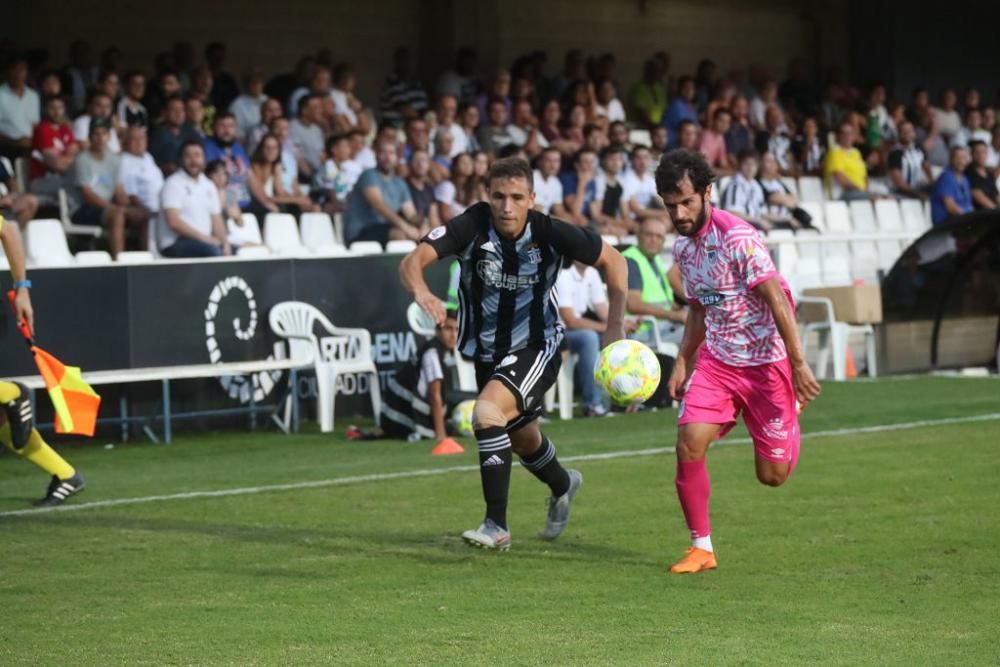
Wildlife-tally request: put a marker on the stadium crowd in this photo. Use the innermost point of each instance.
(188, 146)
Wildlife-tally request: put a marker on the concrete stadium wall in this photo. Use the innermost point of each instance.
(272, 35)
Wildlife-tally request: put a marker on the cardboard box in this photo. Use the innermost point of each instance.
(857, 304)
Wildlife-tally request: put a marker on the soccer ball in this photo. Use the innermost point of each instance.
(461, 417)
(628, 371)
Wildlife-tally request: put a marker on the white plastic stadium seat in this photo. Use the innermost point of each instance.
(95, 231)
(562, 390)
(317, 230)
(93, 257)
(914, 220)
(135, 257)
(889, 216)
(46, 244)
(811, 189)
(864, 261)
(365, 248)
(331, 250)
(836, 264)
(833, 339)
(889, 251)
(422, 325)
(790, 183)
(253, 252)
(295, 321)
(837, 218)
(281, 235)
(815, 210)
(862, 217)
(248, 232)
(400, 246)
(640, 138)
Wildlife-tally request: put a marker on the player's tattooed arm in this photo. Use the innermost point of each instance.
(806, 386)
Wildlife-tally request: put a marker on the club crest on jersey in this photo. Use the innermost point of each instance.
(534, 254)
(710, 252)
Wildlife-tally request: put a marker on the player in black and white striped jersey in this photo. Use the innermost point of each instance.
(511, 255)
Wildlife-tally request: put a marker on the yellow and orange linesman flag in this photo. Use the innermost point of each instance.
(75, 402)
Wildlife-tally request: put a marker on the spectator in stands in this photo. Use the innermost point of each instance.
(523, 129)
(688, 135)
(774, 139)
(15, 205)
(580, 188)
(595, 137)
(844, 165)
(767, 99)
(442, 149)
(946, 116)
(609, 208)
(319, 83)
(380, 208)
(216, 172)
(548, 187)
(335, 181)
(782, 206)
(807, 149)
(618, 135)
(982, 183)
(168, 136)
(458, 192)
(649, 287)
(290, 158)
(222, 145)
(19, 110)
(191, 223)
(194, 114)
(141, 182)
(572, 130)
(951, 195)
(494, 134)
(269, 110)
(167, 85)
(94, 177)
(107, 83)
(422, 190)
(551, 128)
(265, 183)
(361, 152)
(660, 140)
(417, 137)
(201, 88)
(447, 107)
(972, 130)
(49, 85)
(461, 81)
(350, 112)
(246, 108)
(648, 98)
(713, 142)
(583, 308)
(306, 134)
(131, 110)
(403, 96)
(682, 108)
(500, 90)
(607, 103)
(744, 195)
(909, 171)
(930, 139)
(722, 98)
(642, 200)
(739, 137)
(468, 118)
(224, 87)
(879, 125)
(53, 149)
(81, 74)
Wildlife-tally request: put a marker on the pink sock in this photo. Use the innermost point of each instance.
(693, 490)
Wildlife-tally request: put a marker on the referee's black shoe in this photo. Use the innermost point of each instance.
(20, 416)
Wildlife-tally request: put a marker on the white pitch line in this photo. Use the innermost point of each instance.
(429, 472)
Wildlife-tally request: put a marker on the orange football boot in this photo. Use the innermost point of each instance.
(695, 560)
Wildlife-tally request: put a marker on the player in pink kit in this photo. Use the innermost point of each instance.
(751, 361)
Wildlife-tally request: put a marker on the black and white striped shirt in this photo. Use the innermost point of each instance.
(507, 298)
(398, 93)
(910, 161)
(744, 196)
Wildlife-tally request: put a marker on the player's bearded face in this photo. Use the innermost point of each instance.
(688, 209)
(510, 199)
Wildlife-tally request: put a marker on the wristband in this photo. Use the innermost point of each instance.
(18, 284)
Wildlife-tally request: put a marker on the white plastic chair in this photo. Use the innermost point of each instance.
(400, 246)
(640, 137)
(135, 257)
(331, 250)
(815, 210)
(836, 261)
(659, 345)
(422, 325)
(93, 231)
(317, 230)
(862, 217)
(914, 220)
(253, 252)
(562, 390)
(295, 321)
(834, 336)
(790, 183)
(864, 261)
(889, 250)
(281, 235)
(46, 244)
(93, 257)
(247, 232)
(888, 215)
(365, 248)
(338, 228)
(837, 218)
(811, 190)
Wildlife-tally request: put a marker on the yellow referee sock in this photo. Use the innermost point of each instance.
(8, 391)
(38, 452)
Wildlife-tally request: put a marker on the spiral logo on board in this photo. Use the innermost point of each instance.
(239, 387)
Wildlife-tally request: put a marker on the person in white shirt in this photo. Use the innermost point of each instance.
(583, 307)
(20, 109)
(99, 106)
(349, 110)
(548, 187)
(607, 103)
(246, 108)
(446, 109)
(140, 178)
(190, 223)
(639, 187)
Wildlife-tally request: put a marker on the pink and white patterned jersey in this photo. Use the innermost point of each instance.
(721, 265)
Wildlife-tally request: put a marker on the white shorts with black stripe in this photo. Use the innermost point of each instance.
(528, 373)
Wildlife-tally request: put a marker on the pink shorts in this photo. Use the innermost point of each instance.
(717, 393)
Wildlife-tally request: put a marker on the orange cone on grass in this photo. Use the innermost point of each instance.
(850, 370)
(447, 446)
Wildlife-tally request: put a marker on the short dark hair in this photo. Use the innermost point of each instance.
(223, 115)
(746, 154)
(636, 148)
(187, 144)
(51, 98)
(975, 143)
(684, 123)
(590, 128)
(512, 167)
(679, 163)
(720, 111)
(613, 149)
(305, 100)
(213, 166)
(334, 139)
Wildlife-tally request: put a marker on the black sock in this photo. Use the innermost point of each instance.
(494, 469)
(544, 465)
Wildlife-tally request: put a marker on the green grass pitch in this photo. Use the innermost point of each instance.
(883, 549)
